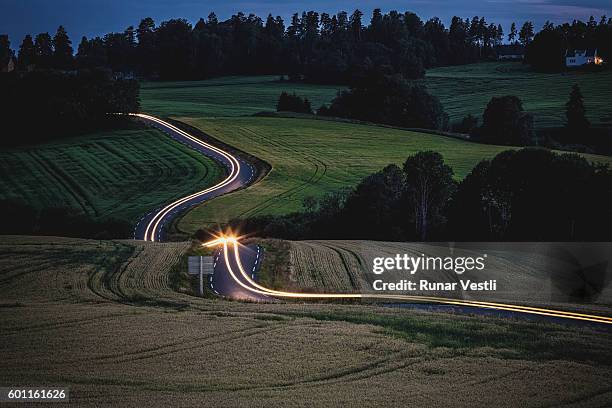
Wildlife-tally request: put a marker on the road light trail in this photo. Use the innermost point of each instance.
(238, 177)
(253, 286)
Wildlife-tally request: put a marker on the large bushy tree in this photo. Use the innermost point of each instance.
(389, 99)
(429, 187)
(505, 122)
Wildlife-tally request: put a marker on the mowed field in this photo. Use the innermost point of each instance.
(122, 174)
(463, 90)
(312, 157)
(467, 89)
(103, 318)
(226, 96)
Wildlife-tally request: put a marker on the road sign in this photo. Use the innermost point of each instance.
(200, 265)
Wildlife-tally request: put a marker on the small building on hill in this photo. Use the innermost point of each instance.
(579, 58)
(510, 52)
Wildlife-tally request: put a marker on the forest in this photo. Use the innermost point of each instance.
(312, 46)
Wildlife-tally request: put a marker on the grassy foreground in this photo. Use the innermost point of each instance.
(467, 89)
(102, 318)
(312, 157)
(122, 174)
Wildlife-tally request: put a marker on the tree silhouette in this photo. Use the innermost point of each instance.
(429, 186)
(62, 49)
(27, 53)
(512, 33)
(44, 50)
(575, 111)
(526, 33)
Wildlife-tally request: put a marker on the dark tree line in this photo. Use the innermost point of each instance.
(547, 50)
(41, 105)
(313, 46)
(525, 195)
(293, 103)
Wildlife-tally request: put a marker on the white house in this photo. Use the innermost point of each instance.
(578, 58)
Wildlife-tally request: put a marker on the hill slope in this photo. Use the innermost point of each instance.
(467, 89)
(313, 157)
(123, 173)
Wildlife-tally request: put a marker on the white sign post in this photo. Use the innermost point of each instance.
(200, 265)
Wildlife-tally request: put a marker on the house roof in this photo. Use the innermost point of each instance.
(512, 49)
(589, 52)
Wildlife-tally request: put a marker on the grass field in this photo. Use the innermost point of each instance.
(228, 96)
(102, 318)
(122, 174)
(467, 89)
(463, 90)
(311, 157)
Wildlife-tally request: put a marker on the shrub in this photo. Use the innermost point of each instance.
(293, 103)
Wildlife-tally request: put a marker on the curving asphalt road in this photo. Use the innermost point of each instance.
(224, 282)
(152, 227)
(237, 265)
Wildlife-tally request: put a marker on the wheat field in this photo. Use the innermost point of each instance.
(523, 276)
(104, 318)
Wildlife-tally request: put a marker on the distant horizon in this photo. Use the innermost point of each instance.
(23, 17)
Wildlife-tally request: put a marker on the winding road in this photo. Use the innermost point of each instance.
(236, 265)
(153, 226)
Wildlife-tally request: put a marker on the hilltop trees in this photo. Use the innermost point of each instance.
(315, 47)
(5, 49)
(27, 53)
(526, 34)
(43, 47)
(512, 34)
(547, 50)
(62, 49)
(545, 53)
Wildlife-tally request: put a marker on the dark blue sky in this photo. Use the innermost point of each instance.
(97, 17)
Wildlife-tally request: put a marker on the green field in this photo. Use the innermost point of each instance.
(122, 174)
(228, 96)
(312, 157)
(463, 90)
(467, 89)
